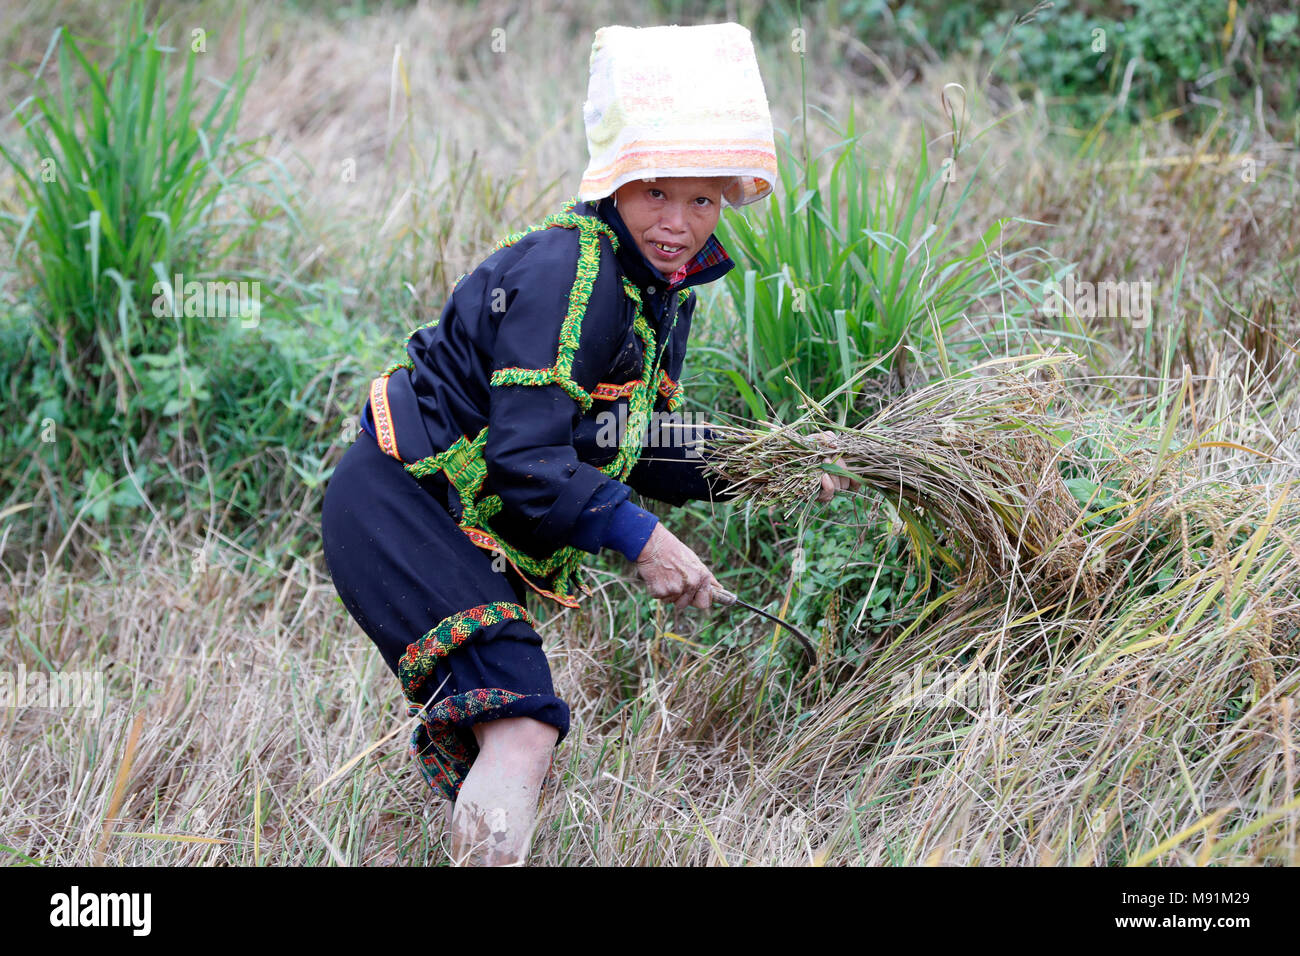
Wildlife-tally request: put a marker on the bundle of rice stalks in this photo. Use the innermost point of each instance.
(980, 451)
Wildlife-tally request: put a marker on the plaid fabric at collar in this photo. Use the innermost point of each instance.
(710, 255)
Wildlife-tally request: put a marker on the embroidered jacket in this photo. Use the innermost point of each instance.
(524, 400)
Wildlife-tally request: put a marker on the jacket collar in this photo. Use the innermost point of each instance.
(711, 262)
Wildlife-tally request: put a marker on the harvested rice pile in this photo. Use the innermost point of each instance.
(981, 452)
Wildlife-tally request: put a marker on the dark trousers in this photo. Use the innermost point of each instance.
(453, 629)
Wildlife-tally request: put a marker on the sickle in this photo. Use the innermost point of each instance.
(727, 599)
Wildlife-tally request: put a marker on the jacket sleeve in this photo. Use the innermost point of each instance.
(671, 468)
(534, 406)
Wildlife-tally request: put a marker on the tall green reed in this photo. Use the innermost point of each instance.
(127, 176)
(851, 267)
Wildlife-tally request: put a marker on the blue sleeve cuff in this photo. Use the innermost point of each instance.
(611, 521)
(630, 529)
(589, 527)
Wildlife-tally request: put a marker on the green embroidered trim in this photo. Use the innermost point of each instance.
(465, 467)
(406, 361)
(417, 665)
(464, 464)
(561, 373)
(675, 400)
(523, 376)
(641, 402)
(679, 398)
(565, 217)
(590, 229)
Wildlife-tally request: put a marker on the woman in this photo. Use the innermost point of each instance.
(486, 467)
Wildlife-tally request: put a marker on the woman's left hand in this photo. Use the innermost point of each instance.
(833, 483)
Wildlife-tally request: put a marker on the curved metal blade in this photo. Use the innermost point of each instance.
(726, 599)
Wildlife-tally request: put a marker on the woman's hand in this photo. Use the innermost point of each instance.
(673, 572)
(833, 483)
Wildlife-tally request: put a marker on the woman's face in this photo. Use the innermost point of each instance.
(671, 218)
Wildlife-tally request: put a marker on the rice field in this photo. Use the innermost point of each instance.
(1058, 623)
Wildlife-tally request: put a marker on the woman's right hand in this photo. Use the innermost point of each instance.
(673, 572)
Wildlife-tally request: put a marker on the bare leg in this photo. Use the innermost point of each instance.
(495, 814)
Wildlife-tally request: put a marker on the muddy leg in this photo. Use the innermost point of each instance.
(494, 816)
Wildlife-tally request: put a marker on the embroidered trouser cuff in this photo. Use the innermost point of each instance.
(444, 744)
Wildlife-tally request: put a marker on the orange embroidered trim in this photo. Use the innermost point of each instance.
(667, 387)
(608, 392)
(488, 543)
(759, 154)
(383, 417)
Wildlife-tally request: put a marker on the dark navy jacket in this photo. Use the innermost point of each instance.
(542, 452)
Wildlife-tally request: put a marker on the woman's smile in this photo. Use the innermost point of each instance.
(667, 251)
(672, 217)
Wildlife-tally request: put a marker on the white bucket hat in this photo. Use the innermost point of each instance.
(677, 101)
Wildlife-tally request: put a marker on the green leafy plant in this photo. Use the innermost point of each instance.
(1083, 59)
(857, 583)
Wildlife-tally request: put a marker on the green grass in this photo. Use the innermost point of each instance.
(122, 174)
(850, 265)
(129, 173)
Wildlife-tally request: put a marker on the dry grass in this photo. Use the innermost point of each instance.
(1010, 724)
(1147, 714)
